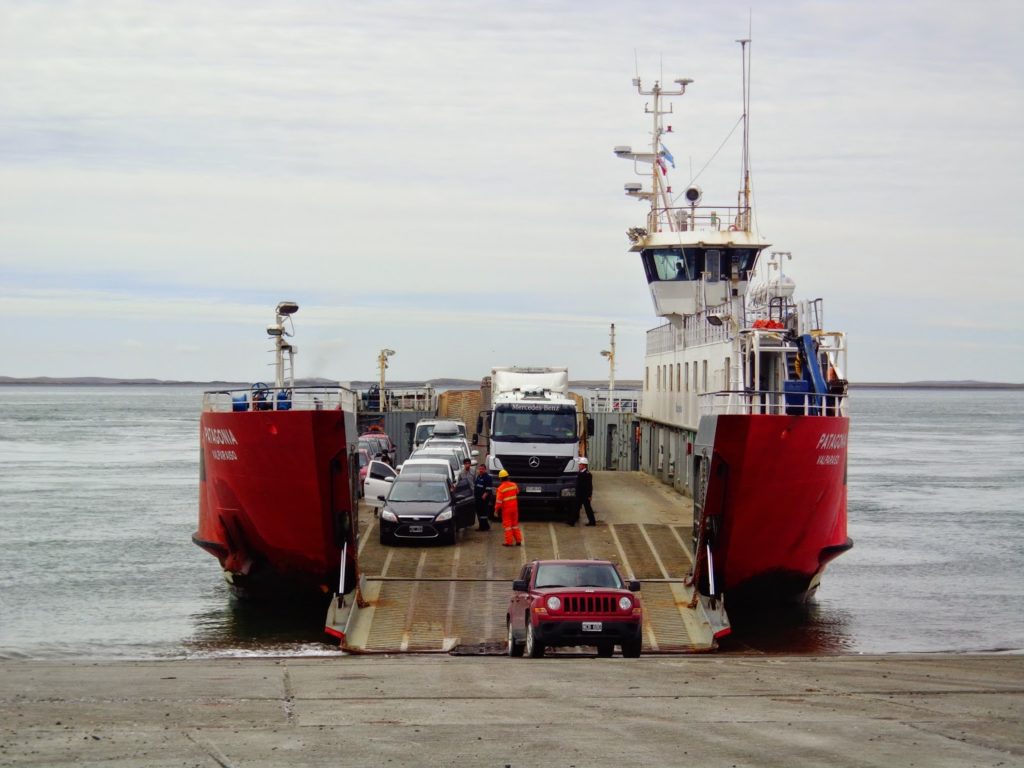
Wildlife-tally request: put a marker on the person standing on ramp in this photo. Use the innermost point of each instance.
(584, 490)
(506, 501)
(483, 493)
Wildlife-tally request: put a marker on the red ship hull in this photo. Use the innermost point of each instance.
(775, 503)
(276, 499)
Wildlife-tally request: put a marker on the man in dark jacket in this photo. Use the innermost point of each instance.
(584, 490)
(483, 493)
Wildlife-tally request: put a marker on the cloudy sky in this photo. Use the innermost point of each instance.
(437, 178)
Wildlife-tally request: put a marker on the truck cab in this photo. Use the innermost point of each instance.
(534, 433)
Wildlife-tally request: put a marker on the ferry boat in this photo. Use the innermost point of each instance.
(744, 387)
(277, 497)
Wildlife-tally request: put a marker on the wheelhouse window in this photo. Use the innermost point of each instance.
(668, 264)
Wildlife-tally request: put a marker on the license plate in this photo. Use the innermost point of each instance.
(533, 489)
(415, 529)
(592, 626)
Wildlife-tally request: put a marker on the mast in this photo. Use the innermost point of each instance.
(284, 371)
(745, 193)
(610, 354)
(659, 191)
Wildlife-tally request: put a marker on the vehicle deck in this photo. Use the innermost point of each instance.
(422, 599)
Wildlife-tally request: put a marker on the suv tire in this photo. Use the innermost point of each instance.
(534, 648)
(631, 649)
(515, 648)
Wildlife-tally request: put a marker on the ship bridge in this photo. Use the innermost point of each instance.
(704, 265)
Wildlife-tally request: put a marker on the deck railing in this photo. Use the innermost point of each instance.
(280, 399)
(762, 402)
(699, 218)
(661, 339)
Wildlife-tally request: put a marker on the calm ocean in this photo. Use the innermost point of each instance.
(98, 493)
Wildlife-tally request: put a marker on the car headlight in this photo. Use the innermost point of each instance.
(553, 603)
(495, 463)
(571, 466)
(387, 514)
(625, 603)
(445, 514)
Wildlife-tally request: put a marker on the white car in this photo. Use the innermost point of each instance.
(445, 427)
(428, 465)
(453, 457)
(460, 445)
(379, 477)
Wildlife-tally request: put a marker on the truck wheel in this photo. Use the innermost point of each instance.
(631, 649)
(605, 650)
(534, 648)
(515, 648)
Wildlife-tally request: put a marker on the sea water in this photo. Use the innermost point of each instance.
(98, 501)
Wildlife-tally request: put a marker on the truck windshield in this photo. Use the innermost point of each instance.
(529, 423)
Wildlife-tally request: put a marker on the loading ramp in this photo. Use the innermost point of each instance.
(422, 599)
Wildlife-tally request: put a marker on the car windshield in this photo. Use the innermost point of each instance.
(577, 575)
(448, 456)
(535, 423)
(423, 431)
(364, 459)
(418, 489)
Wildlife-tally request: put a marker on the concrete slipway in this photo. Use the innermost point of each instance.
(415, 710)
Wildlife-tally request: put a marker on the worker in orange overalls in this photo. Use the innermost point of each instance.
(506, 501)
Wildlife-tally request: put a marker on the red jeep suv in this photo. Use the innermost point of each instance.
(573, 602)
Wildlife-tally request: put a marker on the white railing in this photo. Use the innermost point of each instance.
(280, 399)
(765, 403)
(661, 339)
(621, 401)
(411, 399)
(699, 218)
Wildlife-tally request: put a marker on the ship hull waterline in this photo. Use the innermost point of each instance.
(275, 500)
(776, 502)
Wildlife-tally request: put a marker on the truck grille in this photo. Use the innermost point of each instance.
(548, 466)
(589, 604)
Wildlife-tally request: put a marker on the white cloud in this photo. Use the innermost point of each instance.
(413, 169)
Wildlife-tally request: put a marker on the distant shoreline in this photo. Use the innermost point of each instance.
(625, 385)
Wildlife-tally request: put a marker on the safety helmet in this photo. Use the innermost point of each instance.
(583, 461)
(503, 473)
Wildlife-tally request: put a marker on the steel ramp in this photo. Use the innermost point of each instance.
(444, 599)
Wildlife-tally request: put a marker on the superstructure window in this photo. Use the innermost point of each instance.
(668, 264)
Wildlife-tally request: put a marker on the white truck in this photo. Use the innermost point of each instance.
(533, 433)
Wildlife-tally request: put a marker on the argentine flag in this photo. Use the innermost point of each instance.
(668, 156)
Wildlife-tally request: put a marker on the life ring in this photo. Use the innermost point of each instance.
(733, 228)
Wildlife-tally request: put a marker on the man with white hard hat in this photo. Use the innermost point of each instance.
(584, 490)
